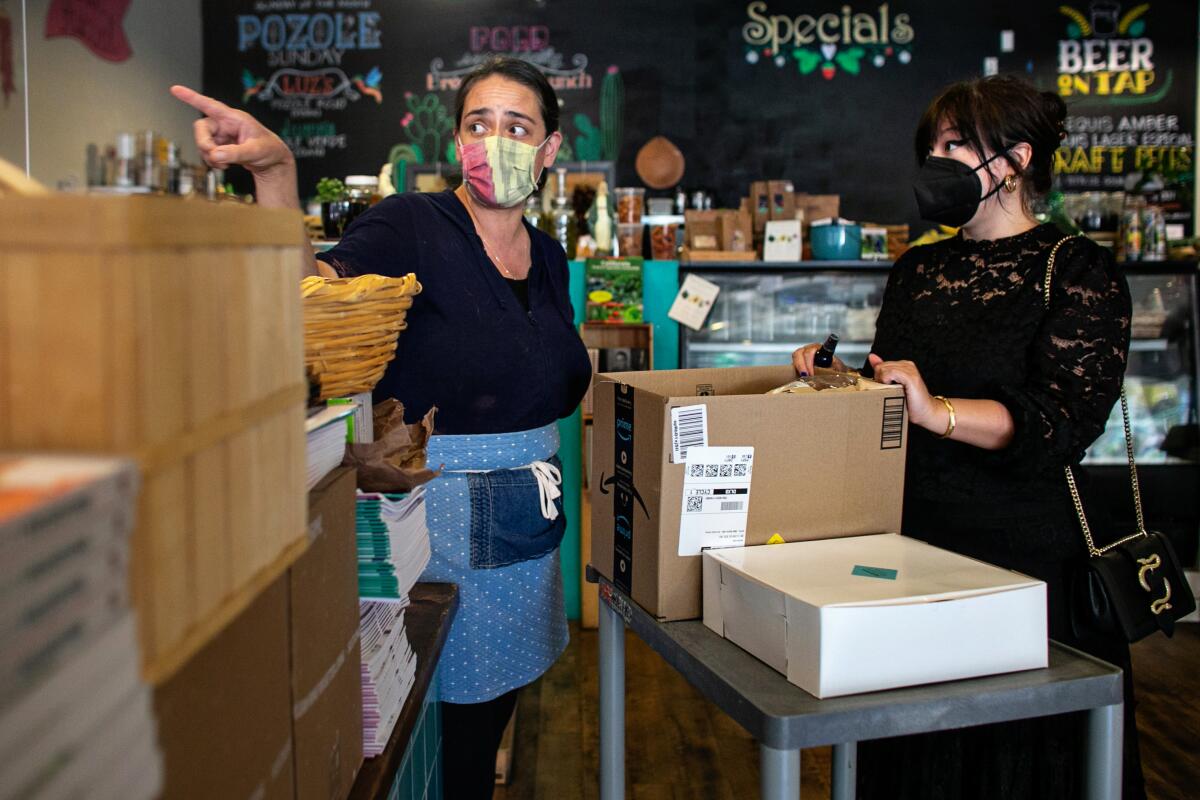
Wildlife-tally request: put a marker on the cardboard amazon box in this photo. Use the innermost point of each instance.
(767, 468)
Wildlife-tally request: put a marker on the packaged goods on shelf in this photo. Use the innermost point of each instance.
(723, 233)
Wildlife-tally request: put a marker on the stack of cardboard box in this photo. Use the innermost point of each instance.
(693, 467)
(272, 707)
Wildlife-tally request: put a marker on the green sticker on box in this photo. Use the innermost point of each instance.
(874, 572)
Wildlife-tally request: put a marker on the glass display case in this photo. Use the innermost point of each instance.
(1160, 381)
(764, 312)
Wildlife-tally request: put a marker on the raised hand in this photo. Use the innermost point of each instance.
(227, 136)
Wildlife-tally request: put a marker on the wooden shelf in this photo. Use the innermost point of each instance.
(603, 335)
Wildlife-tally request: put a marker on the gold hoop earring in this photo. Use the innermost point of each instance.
(1010, 184)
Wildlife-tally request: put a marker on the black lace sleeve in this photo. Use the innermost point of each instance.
(1076, 362)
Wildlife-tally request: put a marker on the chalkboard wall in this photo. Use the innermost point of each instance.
(826, 94)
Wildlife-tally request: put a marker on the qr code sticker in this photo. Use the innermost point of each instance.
(710, 470)
(739, 470)
(695, 503)
(697, 470)
(726, 470)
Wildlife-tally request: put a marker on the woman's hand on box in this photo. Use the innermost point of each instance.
(226, 136)
(802, 360)
(986, 424)
(923, 410)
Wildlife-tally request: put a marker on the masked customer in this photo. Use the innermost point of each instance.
(1002, 392)
(491, 343)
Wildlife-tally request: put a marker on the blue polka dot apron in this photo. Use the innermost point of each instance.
(494, 529)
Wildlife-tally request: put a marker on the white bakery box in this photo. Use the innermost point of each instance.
(865, 613)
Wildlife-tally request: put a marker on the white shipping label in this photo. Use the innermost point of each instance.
(716, 498)
(689, 428)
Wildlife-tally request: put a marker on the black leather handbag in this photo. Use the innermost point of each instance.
(1134, 586)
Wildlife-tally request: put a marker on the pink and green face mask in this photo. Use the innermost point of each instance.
(500, 171)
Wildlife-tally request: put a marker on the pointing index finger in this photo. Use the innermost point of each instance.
(202, 103)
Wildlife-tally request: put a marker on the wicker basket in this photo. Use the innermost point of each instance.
(350, 329)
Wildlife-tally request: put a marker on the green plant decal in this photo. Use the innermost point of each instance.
(806, 60)
(588, 142)
(849, 60)
(612, 109)
(330, 190)
(400, 157)
(408, 153)
(428, 124)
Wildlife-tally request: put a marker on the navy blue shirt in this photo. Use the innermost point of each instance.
(489, 365)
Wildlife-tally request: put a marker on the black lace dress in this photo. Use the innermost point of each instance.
(970, 315)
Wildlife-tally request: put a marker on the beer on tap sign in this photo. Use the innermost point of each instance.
(1132, 99)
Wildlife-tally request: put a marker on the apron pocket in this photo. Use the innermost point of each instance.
(507, 524)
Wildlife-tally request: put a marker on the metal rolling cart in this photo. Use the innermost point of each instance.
(784, 718)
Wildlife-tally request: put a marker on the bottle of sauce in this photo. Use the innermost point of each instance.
(824, 356)
(602, 221)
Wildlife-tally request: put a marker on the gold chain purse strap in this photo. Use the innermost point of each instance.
(1133, 478)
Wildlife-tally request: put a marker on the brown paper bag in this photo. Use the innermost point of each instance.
(396, 461)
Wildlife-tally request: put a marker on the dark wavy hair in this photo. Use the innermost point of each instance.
(993, 114)
(517, 70)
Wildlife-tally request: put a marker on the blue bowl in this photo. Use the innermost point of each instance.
(836, 242)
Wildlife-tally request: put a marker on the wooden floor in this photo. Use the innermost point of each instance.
(683, 748)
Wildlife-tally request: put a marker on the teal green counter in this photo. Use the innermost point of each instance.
(660, 282)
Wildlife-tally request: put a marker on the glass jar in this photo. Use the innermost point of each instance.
(629, 240)
(663, 242)
(362, 192)
(631, 204)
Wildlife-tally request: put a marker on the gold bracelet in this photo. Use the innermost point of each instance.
(953, 420)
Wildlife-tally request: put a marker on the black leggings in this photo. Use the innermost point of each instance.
(471, 734)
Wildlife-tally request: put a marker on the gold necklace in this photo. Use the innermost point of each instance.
(466, 198)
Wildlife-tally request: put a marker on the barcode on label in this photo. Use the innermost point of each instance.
(891, 436)
(689, 429)
(734, 506)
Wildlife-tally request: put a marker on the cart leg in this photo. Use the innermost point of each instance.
(1105, 752)
(845, 771)
(612, 704)
(780, 773)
